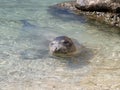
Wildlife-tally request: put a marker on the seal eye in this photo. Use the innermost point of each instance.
(66, 43)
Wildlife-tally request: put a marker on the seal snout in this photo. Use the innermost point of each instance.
(56, 46)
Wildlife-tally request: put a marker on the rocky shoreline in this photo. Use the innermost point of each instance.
(108, 16)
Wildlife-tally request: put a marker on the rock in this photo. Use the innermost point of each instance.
(90, 2)
(98, 11)
(99, 5)
(104, 10)
(67, 5)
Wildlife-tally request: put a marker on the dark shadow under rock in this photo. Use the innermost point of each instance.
(65, 14)
(91, 8)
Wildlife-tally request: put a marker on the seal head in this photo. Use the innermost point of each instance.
(62, 46)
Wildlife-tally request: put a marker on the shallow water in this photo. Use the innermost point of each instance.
(27, 27)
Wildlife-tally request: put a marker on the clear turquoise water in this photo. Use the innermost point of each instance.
(26, 28)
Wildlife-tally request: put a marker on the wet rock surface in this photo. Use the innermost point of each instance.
(107, 11)
(99, 5)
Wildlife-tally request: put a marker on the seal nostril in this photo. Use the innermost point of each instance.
(57, 50)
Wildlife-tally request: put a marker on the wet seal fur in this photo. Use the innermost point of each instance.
(64, 46)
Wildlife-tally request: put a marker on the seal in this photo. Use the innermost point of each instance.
(63, 46)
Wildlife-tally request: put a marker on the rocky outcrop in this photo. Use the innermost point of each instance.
(99, 5)
(102, 10)
(107, 11)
